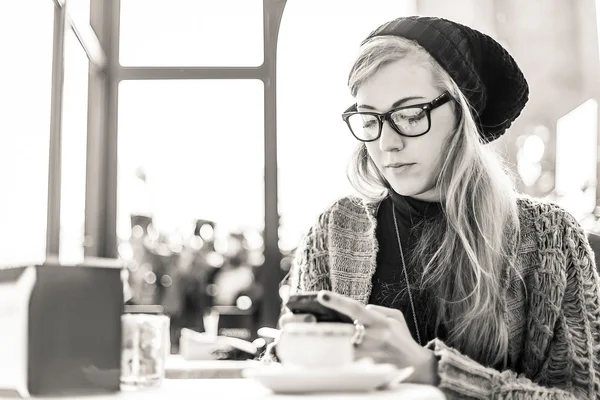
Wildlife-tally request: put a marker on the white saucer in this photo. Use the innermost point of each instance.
(357, 377)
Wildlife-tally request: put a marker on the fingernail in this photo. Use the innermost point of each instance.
(325, 297)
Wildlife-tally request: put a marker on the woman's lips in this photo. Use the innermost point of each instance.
(399, 168)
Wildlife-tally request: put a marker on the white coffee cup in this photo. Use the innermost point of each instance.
(314, 345)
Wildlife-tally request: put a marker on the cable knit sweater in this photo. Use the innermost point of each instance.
(553, 315)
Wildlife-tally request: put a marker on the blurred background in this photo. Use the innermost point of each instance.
(196, 141)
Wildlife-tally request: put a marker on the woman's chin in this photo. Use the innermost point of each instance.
(420, 193)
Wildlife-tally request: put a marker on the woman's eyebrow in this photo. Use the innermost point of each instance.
(398, 103)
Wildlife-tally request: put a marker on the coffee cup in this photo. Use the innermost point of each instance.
(316, 345)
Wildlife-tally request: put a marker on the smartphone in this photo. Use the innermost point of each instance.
(307, 303)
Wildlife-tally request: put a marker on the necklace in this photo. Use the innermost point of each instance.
(412, 306)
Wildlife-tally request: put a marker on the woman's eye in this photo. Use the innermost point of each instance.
(412, 116)
(368, 124)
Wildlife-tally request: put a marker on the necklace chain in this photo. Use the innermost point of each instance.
(412, 306)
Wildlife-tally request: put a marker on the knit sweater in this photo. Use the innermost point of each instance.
(552, 310)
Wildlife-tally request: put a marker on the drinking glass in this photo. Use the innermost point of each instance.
(146, 344)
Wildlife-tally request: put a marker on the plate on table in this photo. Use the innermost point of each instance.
(356, 377)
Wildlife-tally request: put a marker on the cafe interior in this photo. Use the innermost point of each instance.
(154, 155)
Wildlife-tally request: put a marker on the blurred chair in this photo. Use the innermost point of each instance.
(594, 240)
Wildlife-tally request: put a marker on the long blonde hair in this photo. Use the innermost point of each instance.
(466, 259)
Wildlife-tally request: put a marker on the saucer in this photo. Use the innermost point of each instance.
(356, 377)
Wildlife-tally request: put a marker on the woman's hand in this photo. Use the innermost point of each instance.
(386, 338)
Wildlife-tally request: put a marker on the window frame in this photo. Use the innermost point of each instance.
(63, 23)
(100, 41)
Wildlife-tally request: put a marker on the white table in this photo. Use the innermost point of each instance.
(178, 367)
(245, 389)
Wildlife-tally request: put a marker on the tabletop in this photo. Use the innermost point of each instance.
(178, 367)
(246, 389)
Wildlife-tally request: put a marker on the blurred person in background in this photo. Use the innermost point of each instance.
(441, 264)
(236, 276)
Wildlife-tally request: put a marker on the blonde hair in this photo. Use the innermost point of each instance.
(465, 259)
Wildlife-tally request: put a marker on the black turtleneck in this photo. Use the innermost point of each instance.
(389, 283)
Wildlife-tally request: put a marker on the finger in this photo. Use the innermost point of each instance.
(350, 307)
(378, 345)
(380, 357)
(269, 333)
(375, 339)
(375, 344)
(388, 312)
(290, 317)
(373, 355)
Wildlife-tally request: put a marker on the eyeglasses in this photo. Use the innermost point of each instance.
(410, 121)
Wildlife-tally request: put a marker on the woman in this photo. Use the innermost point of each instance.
(486, 293)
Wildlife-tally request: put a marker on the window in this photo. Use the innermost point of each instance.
(577, 159)
(191, 33)
(314, 144)
(25, 75)
(74, 150)
(79, 11)
(198, 145)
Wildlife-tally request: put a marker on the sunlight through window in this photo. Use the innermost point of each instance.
(24, 128)
(314, 145)
(191, 150)
(191, 32)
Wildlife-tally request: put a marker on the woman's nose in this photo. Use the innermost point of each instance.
(390, 140)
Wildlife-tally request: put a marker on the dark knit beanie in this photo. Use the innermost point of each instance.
(484, 71)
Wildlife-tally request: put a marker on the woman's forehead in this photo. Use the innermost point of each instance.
(402, 78)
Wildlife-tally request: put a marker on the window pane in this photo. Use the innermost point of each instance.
(79, 11)
(74, 142)
(191, 32)
(576, 159)
(25, 80)
(199, 145)
(190, 160)
(313, 151)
